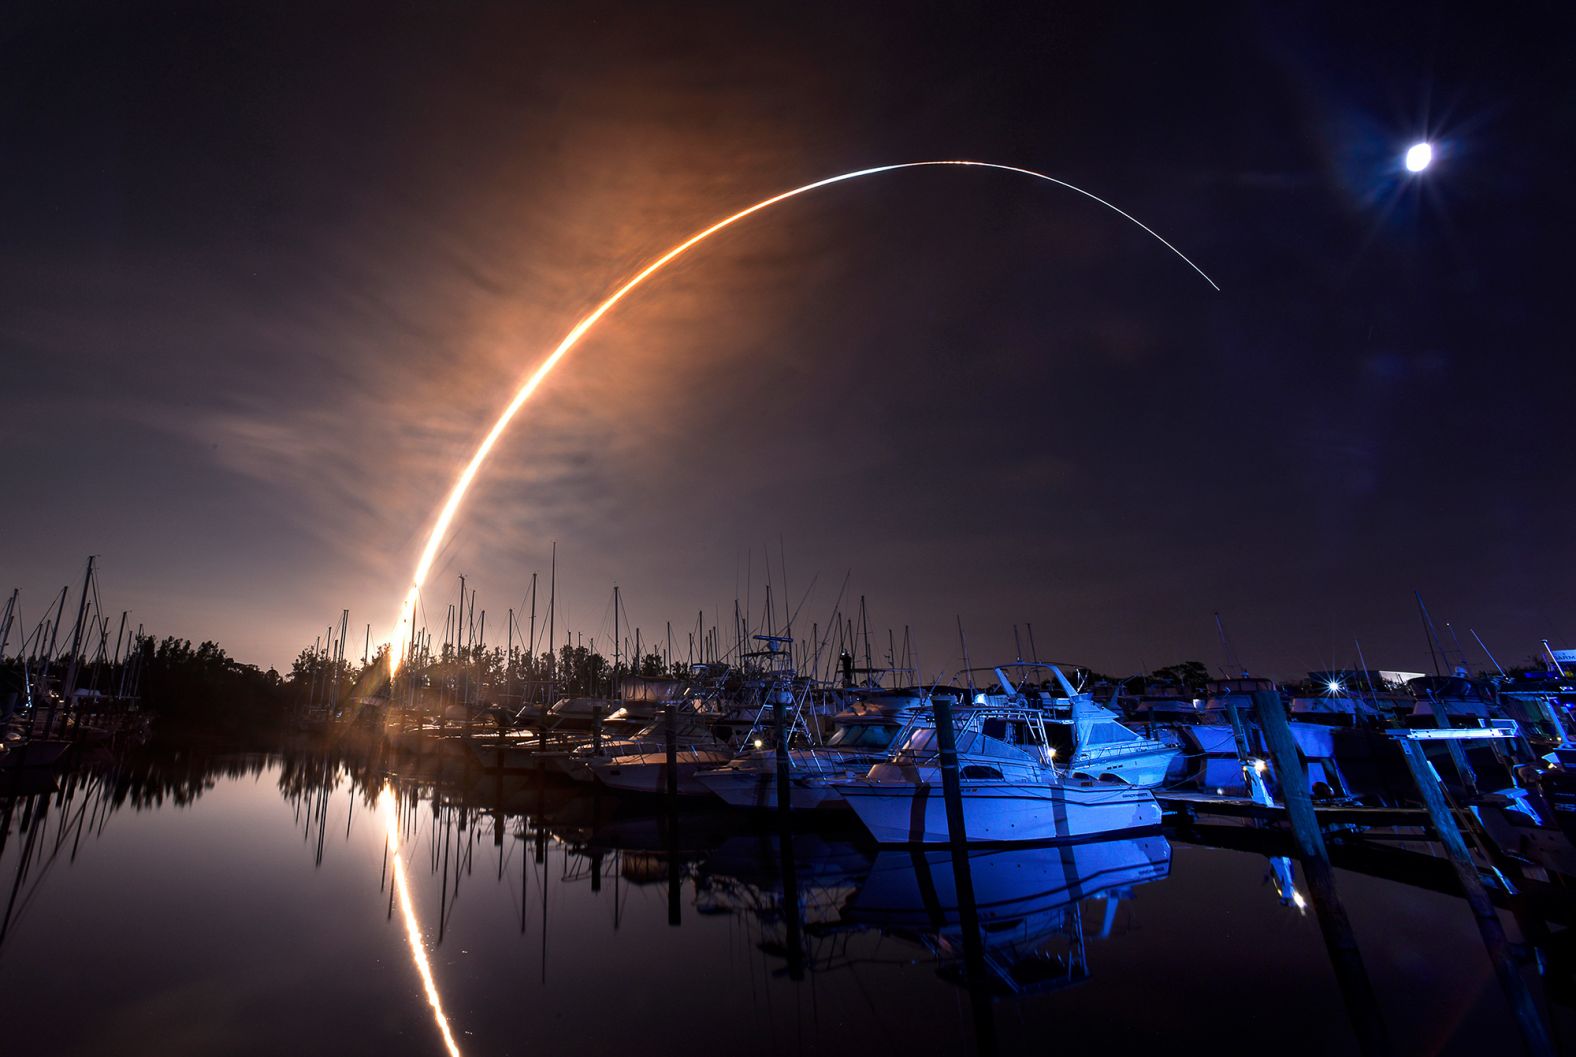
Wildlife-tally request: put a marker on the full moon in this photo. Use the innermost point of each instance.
(1418, 156)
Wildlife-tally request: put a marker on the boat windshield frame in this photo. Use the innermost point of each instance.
(971, 719)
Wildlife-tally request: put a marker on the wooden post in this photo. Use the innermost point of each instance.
(974, 966)
(1534, 1033)
(1250, 779)
(1356, 990)
(792, 911)
(951, 788)
(780, 726)
(671, 738)
(675, 874)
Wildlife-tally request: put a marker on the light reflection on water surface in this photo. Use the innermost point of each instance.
(238, 905)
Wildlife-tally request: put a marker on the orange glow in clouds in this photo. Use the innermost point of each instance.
(462, 484)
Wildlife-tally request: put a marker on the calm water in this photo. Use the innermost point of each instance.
(251, 904)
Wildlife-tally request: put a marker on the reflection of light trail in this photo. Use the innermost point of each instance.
(462, 484)
(407, 911)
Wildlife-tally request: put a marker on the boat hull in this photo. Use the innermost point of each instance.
(897, 812)
(758, 789)
(648, 773)
(39, 752)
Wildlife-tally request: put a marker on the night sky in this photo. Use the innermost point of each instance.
(267, 273)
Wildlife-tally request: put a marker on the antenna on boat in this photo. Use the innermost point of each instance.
(5, 621)
(1225, 644)
(1559, 669)
(963, 642)
(1486, 652)
(1367, 678)
(1430, 633)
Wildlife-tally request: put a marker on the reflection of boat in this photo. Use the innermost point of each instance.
(747, 872)
(1011, 788)
(1026, 901)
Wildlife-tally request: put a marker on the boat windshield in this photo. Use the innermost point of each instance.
(921, 742)
(862, 736)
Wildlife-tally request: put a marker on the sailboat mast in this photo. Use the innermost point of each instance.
(68, 687)
(552, 610)
(5, 622)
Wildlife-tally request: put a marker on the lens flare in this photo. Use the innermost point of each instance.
(440, 528)
(407, 913)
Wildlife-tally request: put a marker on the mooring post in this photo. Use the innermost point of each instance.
(1357, 991)
(1252, 779)
(792, 911)
(675, 871)
(1534, 1033)
(780, 729)
(671, 738)
(962, 875)
(951, 788)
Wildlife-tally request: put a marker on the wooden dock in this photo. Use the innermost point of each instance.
(1209, 805)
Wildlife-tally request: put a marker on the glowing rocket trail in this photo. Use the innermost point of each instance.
(462, 484)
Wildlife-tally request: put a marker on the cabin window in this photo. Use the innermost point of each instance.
(1012, 731)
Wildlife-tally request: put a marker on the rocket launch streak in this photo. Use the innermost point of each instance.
(462, 484)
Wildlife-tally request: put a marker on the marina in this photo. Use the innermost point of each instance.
(851, 844)
(689, 529)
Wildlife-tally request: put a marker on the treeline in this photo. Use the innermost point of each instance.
(203, 688)
(473, 674)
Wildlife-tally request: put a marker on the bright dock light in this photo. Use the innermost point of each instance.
(1419, 156)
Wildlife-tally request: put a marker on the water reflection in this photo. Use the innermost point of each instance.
(1028, 905)
(591, 910)
(389, 808)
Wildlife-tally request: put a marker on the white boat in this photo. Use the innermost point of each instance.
(862, 736)
(1012, 789)
(1098, 745)
(647, 772)
(639, 764)
(579, 714)
(1088, 739)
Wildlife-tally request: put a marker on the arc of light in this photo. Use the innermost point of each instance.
(407, 913)
(462, 484)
